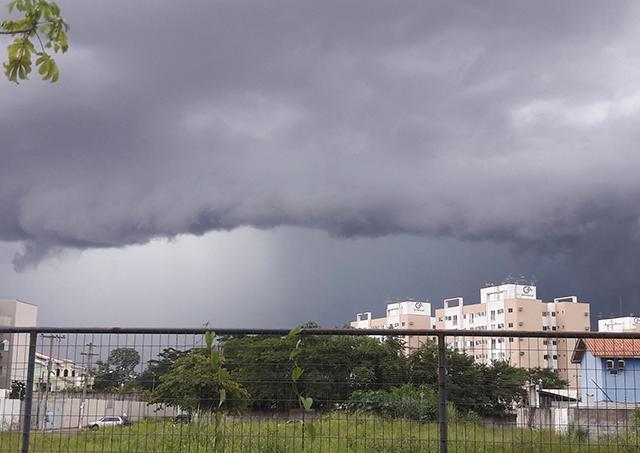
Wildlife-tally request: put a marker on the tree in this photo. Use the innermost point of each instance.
(334, 367)
(488, 390)
(198, 382)
(156, 368)
(118, 371)
(37, 30)
(548, 379)
(18, 390)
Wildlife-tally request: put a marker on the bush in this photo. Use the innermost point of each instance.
(414, 403)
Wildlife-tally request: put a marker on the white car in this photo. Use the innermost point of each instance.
(110, 420)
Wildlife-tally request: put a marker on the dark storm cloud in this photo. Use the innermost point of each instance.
(509, 121)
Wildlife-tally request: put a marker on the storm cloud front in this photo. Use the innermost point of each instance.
(513, 124)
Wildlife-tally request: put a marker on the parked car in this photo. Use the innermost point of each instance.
(111, 420)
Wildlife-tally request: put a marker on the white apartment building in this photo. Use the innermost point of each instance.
(14, 348)
(622, 324)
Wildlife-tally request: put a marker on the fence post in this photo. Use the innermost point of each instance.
(28, 396)
(442, 393)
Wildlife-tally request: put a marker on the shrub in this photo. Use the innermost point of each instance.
(406, 401)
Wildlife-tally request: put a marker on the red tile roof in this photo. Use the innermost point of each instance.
(610, 347)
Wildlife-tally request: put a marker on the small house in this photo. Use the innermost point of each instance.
(609, 370)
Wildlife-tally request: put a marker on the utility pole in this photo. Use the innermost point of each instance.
(51, 337)
(86, 377)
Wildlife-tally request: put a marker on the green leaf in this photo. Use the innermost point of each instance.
(306, 402)
(223, 397)
(296, 373)
(208, 338)
(310, 429)
(294, 332)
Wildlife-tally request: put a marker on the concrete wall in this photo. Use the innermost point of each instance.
(10, 414)
(598, 422)
(63, 411)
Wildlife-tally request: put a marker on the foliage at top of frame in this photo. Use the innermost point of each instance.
(38, 31)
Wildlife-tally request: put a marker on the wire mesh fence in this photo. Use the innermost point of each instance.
(317, 390)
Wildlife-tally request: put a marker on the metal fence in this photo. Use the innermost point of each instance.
(317, 390)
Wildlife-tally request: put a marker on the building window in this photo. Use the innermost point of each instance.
(553, 313)
(510, 339)
(510, 324)
(555, 357)
(521, 324)
(66, 373)
(455, 320)
(519, 308)
(554, 328)
(73, 373)
(510, 310)
(586, 314)
(500, 311)
(546, 357)
(493, 315)
(57, 371)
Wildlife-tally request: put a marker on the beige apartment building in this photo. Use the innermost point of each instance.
(508, 307)
(515, 307)
(406, 314)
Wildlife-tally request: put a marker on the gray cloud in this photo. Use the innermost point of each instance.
(506, 121)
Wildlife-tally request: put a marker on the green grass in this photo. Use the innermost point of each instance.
(335, 433)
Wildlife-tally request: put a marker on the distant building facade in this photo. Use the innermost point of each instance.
(508, 307)
(406, 314)
(622, 324)
(62, 374)
(14, 348)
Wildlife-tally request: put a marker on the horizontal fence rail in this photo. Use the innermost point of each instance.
(119, 389)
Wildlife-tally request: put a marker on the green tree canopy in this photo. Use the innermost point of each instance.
(118, 371)
(198, 382)
(334, 367)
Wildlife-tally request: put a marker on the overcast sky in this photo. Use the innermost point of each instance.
(266, 163)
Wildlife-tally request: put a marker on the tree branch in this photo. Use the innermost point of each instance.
(17, 32)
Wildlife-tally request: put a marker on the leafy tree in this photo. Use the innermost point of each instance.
(462, 374)
(334, 366)
(488, 390)
(156, 368)
(37, 30)
(18, 390)
(118, 371)
(548, 379)
(198, 382)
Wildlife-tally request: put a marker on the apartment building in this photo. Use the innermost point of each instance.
(405, 314)
(14, 348)
(515, 307)
(508, 307)
(622, 324)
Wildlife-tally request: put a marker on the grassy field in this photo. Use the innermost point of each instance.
(333, 434)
